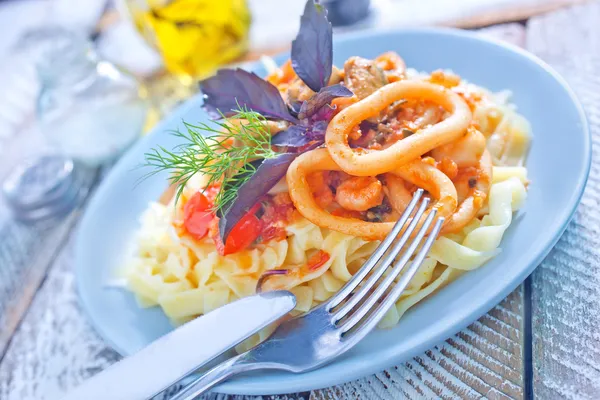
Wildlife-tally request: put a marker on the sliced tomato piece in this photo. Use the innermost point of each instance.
(273, 232)
(275, 217)
(242, 235)
(211, 192)
(197, 215)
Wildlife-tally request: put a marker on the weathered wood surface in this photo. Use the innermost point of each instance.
(21, 274)
(566, 287)
(512, 12)
(26, 251)
(55, 348)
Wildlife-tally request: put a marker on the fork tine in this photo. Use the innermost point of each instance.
(372, 281)
(393, 296)
(345, 291)
(362, 311)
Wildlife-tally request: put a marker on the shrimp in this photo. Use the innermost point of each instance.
(318, 183)
(359, 193)
(465, 152)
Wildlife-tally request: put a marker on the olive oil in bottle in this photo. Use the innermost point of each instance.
(194, 37)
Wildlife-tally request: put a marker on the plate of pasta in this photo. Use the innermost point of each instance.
(287, 175)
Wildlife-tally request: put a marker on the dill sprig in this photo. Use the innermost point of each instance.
(210, 150)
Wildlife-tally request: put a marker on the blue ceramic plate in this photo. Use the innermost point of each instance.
(558, 165)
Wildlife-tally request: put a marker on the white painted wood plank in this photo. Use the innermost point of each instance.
(566, 287)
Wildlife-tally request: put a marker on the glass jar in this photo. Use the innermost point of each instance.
(87, 108)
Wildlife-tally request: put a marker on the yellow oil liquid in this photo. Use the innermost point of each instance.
(194, 37)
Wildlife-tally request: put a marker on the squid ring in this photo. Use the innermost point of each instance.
(416, 172)
(365, 162)
(468, 209)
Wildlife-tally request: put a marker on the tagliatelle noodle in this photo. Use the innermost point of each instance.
(481, 243)
(365, 162)
(417, 172)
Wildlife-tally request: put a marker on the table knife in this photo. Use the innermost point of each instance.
(179, 353)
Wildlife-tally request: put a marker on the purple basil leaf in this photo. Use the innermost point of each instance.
(294, 136)
(312, 50)
(230, 89)
(318, 129)
(294, 107)
(324, 114)
(323, 98)
(268, 172)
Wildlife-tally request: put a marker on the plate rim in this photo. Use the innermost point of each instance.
(461, 320)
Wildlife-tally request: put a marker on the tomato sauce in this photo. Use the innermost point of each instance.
(317, 260)
(264, 222)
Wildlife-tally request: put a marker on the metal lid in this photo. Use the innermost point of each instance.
(42, 187)
(346, 12)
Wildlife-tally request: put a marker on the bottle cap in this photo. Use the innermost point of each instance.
(346, 12)
(42, 187)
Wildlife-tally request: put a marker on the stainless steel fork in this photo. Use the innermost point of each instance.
(317, 337)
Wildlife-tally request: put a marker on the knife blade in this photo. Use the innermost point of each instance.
(182, 351)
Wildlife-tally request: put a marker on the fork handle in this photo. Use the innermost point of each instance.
(209, 379)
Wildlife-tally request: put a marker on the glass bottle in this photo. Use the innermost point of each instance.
(90, 110)
(194, 37)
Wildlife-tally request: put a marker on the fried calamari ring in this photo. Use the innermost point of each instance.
(417, 172)
(365, 162)
(470, 206)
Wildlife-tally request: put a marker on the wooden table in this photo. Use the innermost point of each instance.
(542, 340)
